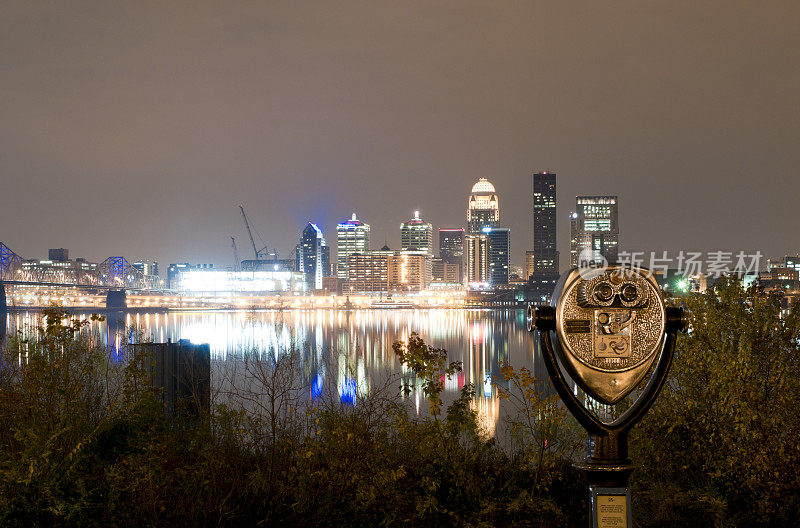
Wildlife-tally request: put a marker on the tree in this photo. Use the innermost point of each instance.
(720, 446)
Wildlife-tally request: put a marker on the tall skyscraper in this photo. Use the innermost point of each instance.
(476, 258)
(451, 250)
(545, 256)
(451, 243)
(499, 254)
(352, 236)
(594, 230)
(541, 264)
(416, 235)
(483, 207)
(313, 256)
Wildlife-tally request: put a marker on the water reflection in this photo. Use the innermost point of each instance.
(352, 347)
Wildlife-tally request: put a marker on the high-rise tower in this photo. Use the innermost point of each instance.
(416, 235)
(594, 230)
(499, 254)
(352, 236)
(313, 256)
(545, 256)
(483, 207)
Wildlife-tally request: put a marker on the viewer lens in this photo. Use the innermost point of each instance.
(629, 293)
(603, 292)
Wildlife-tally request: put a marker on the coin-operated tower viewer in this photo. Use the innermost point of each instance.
(605, 330)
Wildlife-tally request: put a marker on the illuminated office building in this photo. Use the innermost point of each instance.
(149, 268)
(409, 271)
(476, 259)
(313, 256)
(545, 256)
(368, 272)
(416, 235)
(594, 230)
(451, 243)
(208, 281)
(352, 236)
(483, 207)
(443, 270)
(498, 241)
(451, 250)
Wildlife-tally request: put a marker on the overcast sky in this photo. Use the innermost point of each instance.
(136, 128)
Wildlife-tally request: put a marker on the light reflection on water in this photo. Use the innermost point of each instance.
(358, 343)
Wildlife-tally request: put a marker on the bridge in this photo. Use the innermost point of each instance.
(114, 276)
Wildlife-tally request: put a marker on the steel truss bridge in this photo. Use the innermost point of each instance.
(112, 273)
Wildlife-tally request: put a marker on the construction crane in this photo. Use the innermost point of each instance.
(236, 262)
(249, 233)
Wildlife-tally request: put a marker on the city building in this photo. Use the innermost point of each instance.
(352, 236)
(542, 266)
(476, 259)
(787, 261)
(174, 271)
(529, 261)
(516, 275)
(148, 268)
(368, 272)
(409, 271)
(451, 249)
(211, 282)
(443, 270)
(271, 263)
(545, 253)
(451, 242)
(313, 256)
(594, 230)
(59, 270)
(416, 235)
(483, 207)
(58, 255)
(499, 254)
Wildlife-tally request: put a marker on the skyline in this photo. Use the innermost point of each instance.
(138, 129)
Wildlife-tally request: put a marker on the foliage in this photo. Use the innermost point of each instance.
(87, 444)
(720, 445)
(539, 424)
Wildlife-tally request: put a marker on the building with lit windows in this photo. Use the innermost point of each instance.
(211, 282)
(368, 272)
(594, 230)
(59, 268)
(352, 236)
(443, 270)
(529, 260)
(498, 240)
(174, 271)
(313, 256)
(483, 207)
(542, 270)
(451, 242)
(149, 268)
(544, 224)
(451, 249)
(476, 259)
(416, 235)
(409, 271)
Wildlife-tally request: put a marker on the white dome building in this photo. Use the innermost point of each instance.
(483, 207)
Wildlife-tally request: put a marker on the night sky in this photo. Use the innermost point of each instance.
(136, 128)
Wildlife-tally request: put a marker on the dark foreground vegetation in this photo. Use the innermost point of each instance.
(84, 440)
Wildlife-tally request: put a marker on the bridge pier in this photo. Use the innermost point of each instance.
(3, 311)
(116, 300)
